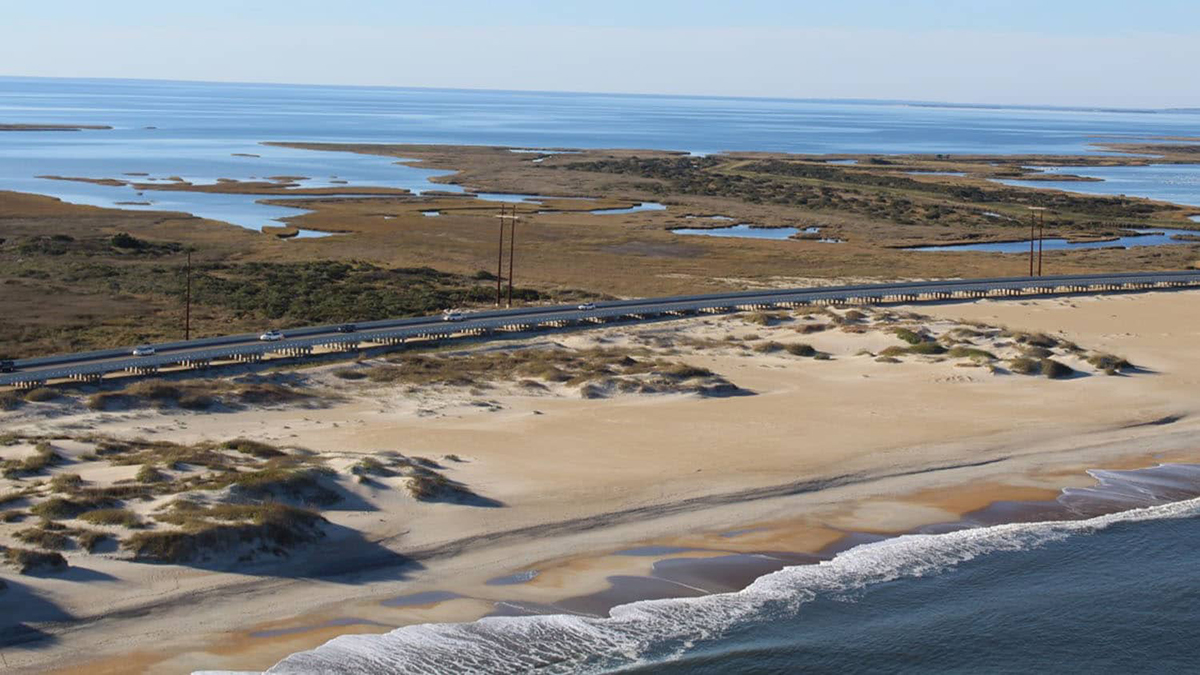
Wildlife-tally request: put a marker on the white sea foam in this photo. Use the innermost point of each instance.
(566, 643)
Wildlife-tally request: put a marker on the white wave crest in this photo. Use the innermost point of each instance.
(565, 643)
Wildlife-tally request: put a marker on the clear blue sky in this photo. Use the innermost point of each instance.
(1067, 52)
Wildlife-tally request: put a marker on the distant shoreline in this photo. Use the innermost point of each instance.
(54, 127)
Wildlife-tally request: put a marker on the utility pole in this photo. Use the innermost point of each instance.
(1031, 222)
(187, 295)
(1041, 239)
(500, 257)
(512, 243)
(1037, 219)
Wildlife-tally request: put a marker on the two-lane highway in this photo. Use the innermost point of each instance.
(299, 342)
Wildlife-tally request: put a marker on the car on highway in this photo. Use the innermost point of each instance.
(271, 336)
(587, 307)
(347, 328)
(143, 350)
(452, 315)
(8, 366)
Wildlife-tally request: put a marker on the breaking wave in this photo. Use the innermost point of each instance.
(657, 630)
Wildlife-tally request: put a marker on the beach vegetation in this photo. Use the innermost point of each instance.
(116, 517)
(1055, 369)
(1024, 365)
(65, 482)
(27, 561)
(1110, 364)
(41, 395)
(964, 352)
(44, 538)
(800, 349)
(206, 532)
(910, 336)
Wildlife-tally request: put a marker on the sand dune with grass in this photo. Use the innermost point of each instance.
(231, 534)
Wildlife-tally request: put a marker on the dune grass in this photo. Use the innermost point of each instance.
(27, 561)
(1110, 364)
(115, 517)
(211, 531)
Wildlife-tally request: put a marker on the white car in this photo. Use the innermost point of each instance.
(587, 307)
(452, 315)
(271, 336)
(143, 350)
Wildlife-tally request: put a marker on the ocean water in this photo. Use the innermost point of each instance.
(204, 131)
(1114, 593)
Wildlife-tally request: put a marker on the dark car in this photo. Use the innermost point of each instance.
(347, 328)
(7, 366)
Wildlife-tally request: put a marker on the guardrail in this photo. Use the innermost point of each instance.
(301, 342)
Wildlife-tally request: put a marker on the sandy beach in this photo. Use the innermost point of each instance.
(811, 456)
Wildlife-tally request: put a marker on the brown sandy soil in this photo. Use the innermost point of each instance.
(821, 447)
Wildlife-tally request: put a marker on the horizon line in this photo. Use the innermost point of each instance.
(563, 92)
